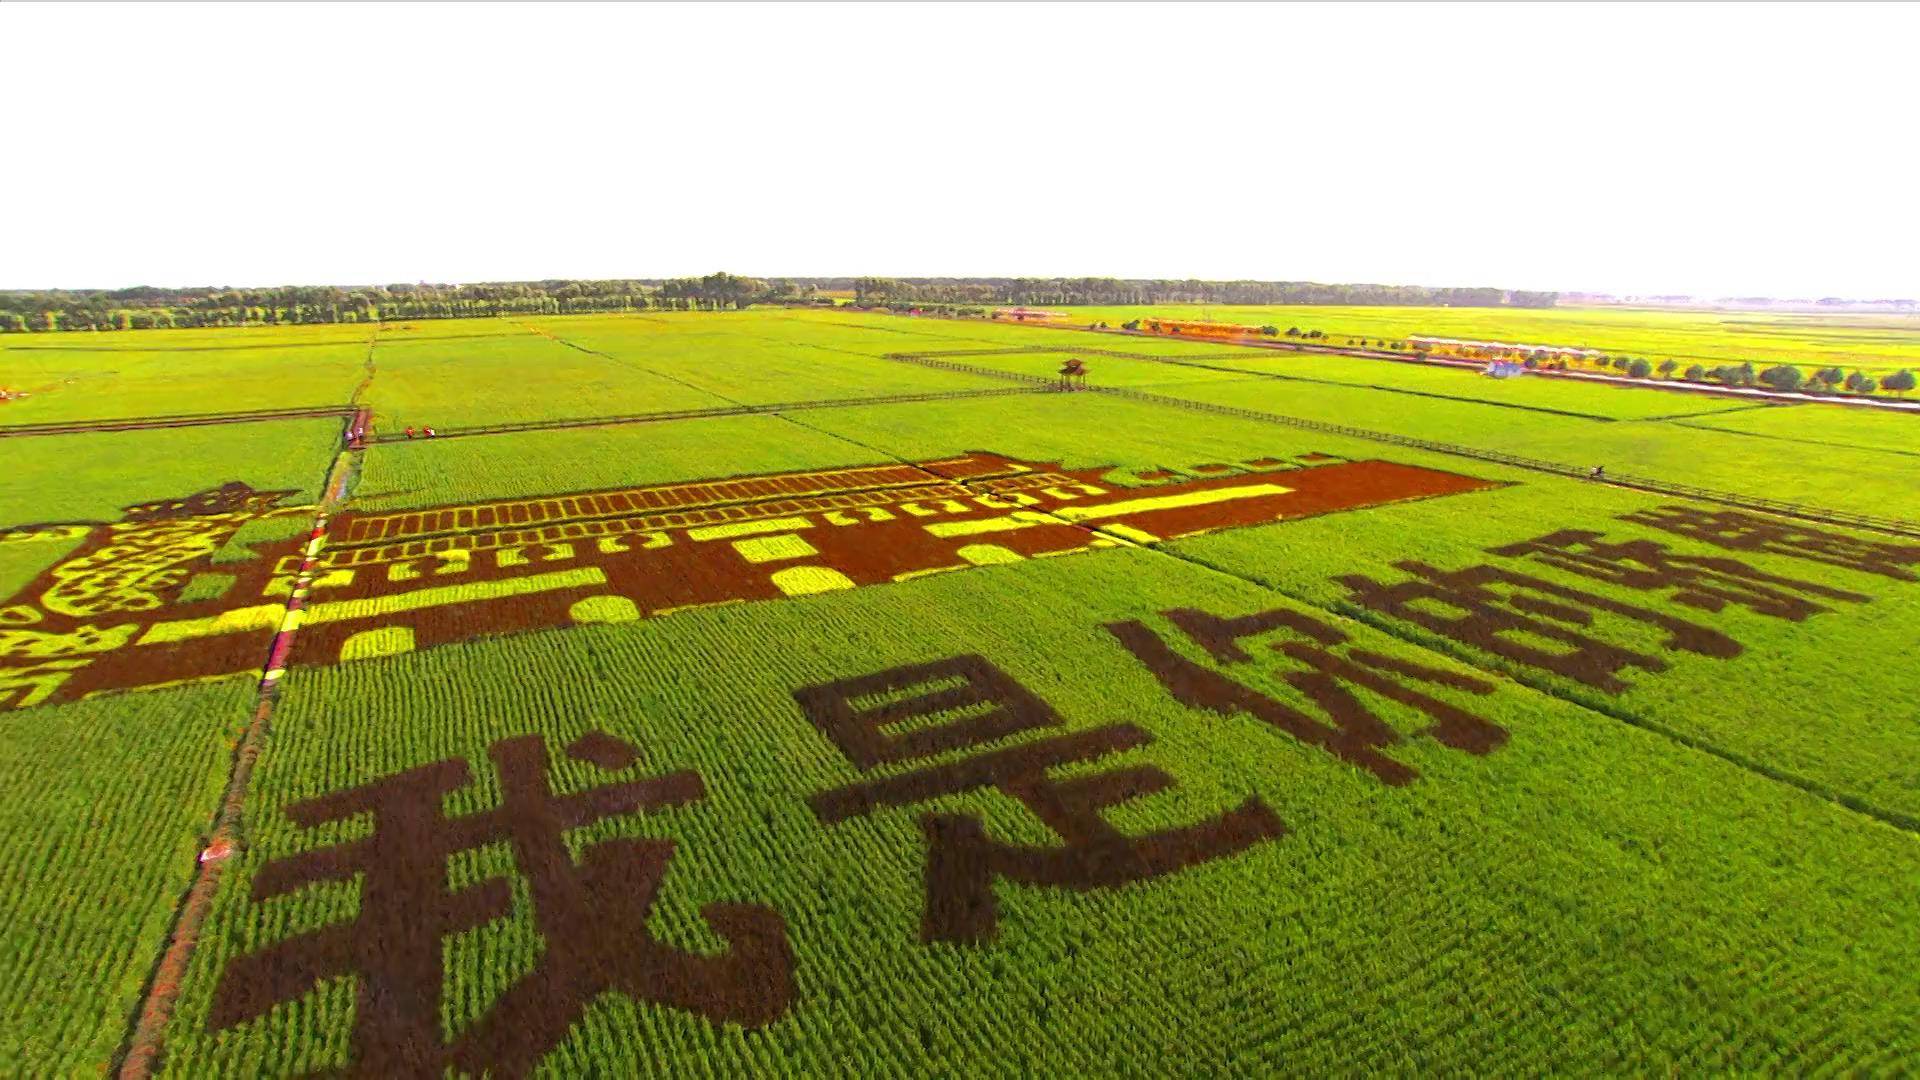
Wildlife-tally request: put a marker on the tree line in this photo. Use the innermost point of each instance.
(147, 307)
(1042, 292)
(1786, 378)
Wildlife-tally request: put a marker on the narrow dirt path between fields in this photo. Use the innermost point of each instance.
(140, 1052)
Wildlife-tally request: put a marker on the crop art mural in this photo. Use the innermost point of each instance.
(591, 914)
(93, 620)
(122, 610)
(917, 736)
(117, 613)
(962, 861)
(1559, 628)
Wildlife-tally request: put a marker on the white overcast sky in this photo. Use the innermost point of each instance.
(1718, 150)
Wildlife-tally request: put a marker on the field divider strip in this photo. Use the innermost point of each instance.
(139, 1054)
(705, 414)
(776, 411)
(1825, 515)
(1701, 426)
(1194, 362)
(1777, 507)
(1747, 393)
(1717, 412)
(143, 423)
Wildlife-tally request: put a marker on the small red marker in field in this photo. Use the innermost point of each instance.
(216, 851)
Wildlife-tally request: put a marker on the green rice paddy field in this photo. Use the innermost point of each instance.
(1875, 344)
(997, 731)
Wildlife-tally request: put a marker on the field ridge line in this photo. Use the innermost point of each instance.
(1677, 386)
(850, 441)
(1194, 363)
(717, 412)
(139, 1054)
(1652, 485)
(146, 423)
(1825, 515)
(1861, 448)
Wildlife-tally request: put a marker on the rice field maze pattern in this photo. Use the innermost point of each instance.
(116, 615)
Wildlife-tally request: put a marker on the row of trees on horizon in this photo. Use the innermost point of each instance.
(1115, 292)
(148, 307)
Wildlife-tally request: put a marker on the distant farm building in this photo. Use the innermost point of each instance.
(1073, 374)
(1184, 328)
(1020, 314)
(1487, 350)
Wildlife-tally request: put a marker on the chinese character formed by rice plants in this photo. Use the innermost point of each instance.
(1522, 617)
(1736, 531)
(1321, 663)
(1706, 582)
(591, 914)
(964, 704)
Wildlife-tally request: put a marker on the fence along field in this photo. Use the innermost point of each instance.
(1133, 736)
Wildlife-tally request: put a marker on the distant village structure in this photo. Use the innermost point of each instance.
(1021, 314)
(1490, 350)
